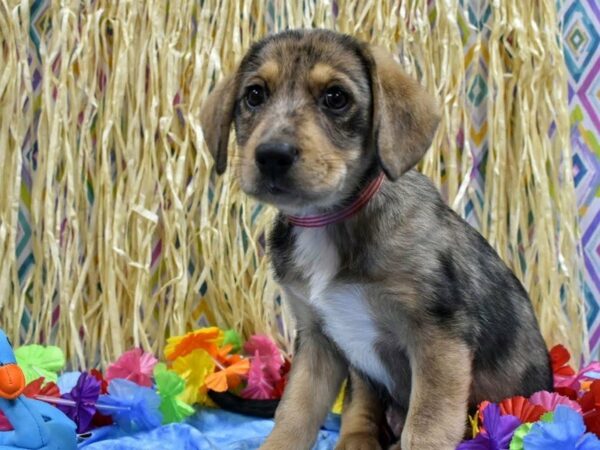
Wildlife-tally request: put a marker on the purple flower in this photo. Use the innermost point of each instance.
(498, 431)
(84, 395)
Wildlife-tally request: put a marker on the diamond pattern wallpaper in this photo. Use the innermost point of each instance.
(581, 31)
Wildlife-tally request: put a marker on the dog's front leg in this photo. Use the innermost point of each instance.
(362, 417)
(441, 378)
(315, 379)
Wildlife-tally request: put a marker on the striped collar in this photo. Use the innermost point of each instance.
(338, 216)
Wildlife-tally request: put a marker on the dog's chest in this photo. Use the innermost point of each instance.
(342, 307)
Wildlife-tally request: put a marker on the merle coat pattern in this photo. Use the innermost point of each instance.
(404, 298)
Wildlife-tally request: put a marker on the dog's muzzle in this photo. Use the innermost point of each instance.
(275, 159)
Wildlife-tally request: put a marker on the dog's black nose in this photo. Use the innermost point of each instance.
(275, 158)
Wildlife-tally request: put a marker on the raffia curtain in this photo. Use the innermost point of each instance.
(114, 232)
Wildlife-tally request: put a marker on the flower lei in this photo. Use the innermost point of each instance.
(137, 392)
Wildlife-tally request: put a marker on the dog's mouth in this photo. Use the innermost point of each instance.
(294, 189)
(276, 188)
(277, 191)
(289, 197)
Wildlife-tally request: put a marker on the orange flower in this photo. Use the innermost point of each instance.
(207, 339)
(585, 385)
(228, 377)
(224, 358)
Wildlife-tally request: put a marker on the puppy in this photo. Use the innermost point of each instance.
(387, 285)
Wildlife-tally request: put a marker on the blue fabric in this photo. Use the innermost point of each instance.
(37, 425)
(208, 429)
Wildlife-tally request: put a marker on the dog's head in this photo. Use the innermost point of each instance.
(313, 112)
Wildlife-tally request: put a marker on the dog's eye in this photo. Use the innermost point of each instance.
(335, 98)
(255, 96)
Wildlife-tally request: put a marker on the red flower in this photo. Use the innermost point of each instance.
(100, 420)
(566, 391)
(37, 387)
(281, 383)
(592, 421)
(560, 357)
(103, 382)
(522, 409)
(5, 425)
(590, 405)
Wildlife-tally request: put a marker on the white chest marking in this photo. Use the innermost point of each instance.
(343, 308)
(316, 256)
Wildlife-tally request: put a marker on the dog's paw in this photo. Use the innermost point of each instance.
(358, 441)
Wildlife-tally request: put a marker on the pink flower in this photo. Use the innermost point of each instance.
(263, 348)
(133, 365)
(260, 385)
(266, 362)
(574, 381)
(550, 400)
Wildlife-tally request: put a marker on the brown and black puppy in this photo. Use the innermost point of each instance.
(404, 296)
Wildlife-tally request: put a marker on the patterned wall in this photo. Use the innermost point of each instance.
(581, 31)
(581, 25)
(474, 34)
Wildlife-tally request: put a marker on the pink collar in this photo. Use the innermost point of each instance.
(337, 216)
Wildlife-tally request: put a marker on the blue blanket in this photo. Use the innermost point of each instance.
(208, 429)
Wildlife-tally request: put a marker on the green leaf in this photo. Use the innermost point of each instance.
(232, 337)
(40, 361)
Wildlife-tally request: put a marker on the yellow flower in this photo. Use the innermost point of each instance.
(194, 367)
(339, 402)
(474, 421)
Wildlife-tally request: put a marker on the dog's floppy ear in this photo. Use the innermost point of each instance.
(216, 118)
(405, 116)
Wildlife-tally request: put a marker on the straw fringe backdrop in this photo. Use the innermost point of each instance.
(113, 231)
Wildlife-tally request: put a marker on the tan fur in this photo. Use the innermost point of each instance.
(216, 117)
(325, 163)
(323, 75)
(315, 379)
(269, 72)
(362, 416)
(244, 163)
(405, 116)
(441, 369)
